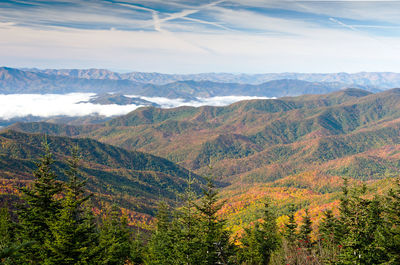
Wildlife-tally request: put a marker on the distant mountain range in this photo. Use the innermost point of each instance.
(14, 81)
(263, 140)
(382, 80)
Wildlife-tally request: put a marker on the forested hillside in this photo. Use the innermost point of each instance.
(292, 153)
(349, 133)
(56, 225)
(294, 149)
(133, 180)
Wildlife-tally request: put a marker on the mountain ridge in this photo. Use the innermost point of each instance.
(14, 81)
(292, 149)
(134, 180)
(377, 79)
(260, 140)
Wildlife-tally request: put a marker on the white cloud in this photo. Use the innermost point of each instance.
(93, 14)
(223, 100)
(197, 38)
(378, 10)
(211, 101)
(319, 51)
(49, 105)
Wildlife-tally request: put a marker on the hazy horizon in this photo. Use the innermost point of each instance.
(194, 73)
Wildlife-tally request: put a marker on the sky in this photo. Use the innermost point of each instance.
(177, 36)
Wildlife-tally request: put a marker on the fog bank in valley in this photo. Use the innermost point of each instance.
(76, 105)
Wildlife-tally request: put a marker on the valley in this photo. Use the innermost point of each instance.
(148, 132)
(133, 180)
(291, 149)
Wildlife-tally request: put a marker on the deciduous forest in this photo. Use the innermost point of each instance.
(53, 222)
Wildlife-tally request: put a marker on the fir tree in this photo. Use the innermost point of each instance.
(391, 229)
(291, 226)
(261, 241)
(186, 230)
(329, 238)
(250, 252)
(160, 249)
(114, 239)
(138, 249)
(328, 228)
(41, 209)
(362, 220)
(344, 208)
(305, 231)
(290, 243)
(72, 237)
(6, 229)
(216, 246)
(9, 246)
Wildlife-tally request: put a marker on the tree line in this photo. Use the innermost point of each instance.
(55, 224)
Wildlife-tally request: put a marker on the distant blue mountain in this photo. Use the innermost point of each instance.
(383, 80)
(153, 84)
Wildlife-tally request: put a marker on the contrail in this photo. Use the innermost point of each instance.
(135, 6)
(377, 26)
(157, 22)
(365, 34)
(343, 24)
(207, 22)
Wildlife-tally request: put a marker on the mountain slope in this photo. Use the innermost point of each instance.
(263, 140)
(134, 180)
(294, 150)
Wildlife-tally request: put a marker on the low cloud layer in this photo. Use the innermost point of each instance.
(49, 105)
(22, 105)
(212, 101)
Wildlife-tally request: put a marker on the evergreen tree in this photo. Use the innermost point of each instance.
(344, 208)
(114, 239)
(250, 251)
(72, 237)
(41, 209)
(291, 226)
(329, 238)
(391, 229)
(216, 246)
(6, 229)
(259, 242)
(362, 221)
(305, 231)
(9, 246)
(328, 228)
(137, 255)
(160, 249)
(185, 230)
(290, 242)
